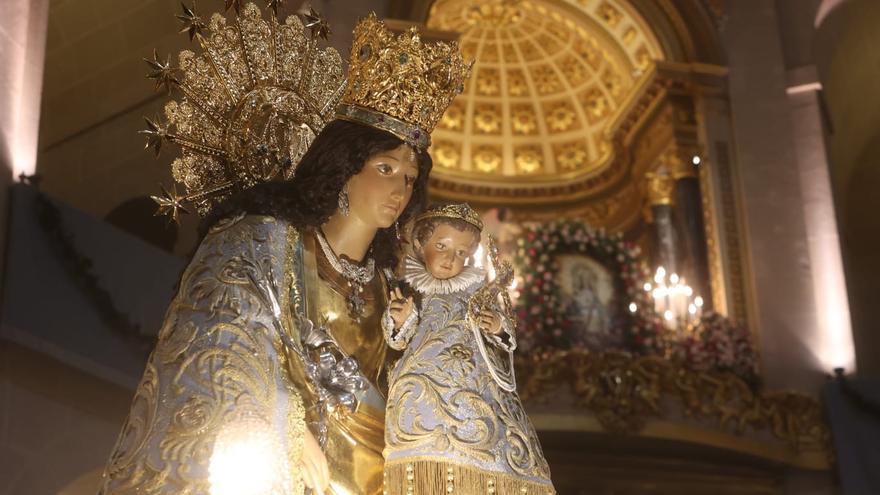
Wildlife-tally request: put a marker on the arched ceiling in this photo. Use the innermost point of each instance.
(548, 79)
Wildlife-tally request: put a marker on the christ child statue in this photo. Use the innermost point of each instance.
(454, 423)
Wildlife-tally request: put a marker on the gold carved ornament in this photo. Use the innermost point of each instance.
(660, 188)
(624, 392)
(460, 211)
(503, 371)
(252, 99)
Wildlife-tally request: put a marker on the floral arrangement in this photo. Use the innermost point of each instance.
(541, 310)
(716, 343)
(713, 343)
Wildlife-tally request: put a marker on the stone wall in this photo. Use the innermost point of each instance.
(56, 422)
(849, 68)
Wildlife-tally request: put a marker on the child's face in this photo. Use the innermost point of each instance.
(446, 251)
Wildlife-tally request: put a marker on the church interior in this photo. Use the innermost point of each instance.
(685, 189)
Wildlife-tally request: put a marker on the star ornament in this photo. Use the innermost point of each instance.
(162, 72)
(192, 23)
(156, 134)
(274, 5)
(238, 4)
(170, 204)
(317, 23)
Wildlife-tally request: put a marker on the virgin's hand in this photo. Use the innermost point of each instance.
(313, 464)
(490, 322)
(399, 307)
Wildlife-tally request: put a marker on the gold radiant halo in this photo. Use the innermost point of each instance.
(252, 99)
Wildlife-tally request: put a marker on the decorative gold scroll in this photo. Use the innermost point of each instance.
(624, 392)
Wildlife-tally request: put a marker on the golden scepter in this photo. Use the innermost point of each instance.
(494, 296)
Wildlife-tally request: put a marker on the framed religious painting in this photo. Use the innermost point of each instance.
(588, 294)
(582, 288)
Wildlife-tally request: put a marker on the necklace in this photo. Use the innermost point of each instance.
(356, 275)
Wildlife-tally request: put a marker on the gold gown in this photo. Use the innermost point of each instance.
(354, 441)
(221, 360)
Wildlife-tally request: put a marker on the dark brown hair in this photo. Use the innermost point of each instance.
(424, 229)
(311, 197)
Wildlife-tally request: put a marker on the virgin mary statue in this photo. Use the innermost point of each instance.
(268, 371)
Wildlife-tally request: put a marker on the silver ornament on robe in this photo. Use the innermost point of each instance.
(335, 377)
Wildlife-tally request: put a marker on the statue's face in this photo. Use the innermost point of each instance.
(446, 251)
(379, 193)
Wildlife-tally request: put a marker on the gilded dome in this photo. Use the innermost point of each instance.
(549, 78)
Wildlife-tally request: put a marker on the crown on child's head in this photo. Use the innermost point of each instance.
(461, 211)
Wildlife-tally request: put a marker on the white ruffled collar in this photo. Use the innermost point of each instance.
(421, 279)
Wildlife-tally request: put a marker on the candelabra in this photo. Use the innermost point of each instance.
(674, 300)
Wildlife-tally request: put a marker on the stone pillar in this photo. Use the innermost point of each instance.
(661, 189)
(23, 25)
(835, 334)
(691, 228)
(23, 34)
(771, 201)
(848, 67)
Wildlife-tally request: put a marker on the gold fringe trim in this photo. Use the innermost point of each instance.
(427, 477)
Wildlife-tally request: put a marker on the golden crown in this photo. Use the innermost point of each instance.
(400, 84)
(459, 211)
(251, 102)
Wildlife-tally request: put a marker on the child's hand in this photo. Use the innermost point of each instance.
(399, 307)
(490, 322)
